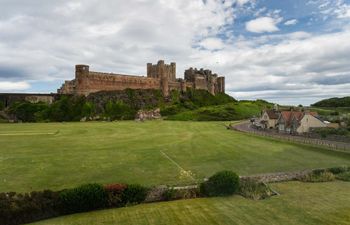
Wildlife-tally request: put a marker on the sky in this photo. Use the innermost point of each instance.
(283, 51)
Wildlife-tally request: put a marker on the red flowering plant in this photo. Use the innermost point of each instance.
(115, 192)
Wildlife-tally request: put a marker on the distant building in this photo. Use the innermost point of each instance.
(292, 122)
(298, 122)
(269, 119)
(159, 76)
(310, 120)
(288, 121)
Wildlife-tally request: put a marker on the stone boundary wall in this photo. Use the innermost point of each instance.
(95, 81)
(278, 177)
(333, 145)
(156, 193)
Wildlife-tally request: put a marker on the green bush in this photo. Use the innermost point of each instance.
(114, 192)
(2, 106)
(318, 176)
(187, 193)
(169, 194)
(25, 208)
(220, 184)
(134, 194)
(326, 131)
(337, 170)
(26, 111)
(345, 176)
(171, 110)
(83, 198)
(255, 190)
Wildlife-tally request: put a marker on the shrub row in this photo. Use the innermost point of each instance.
(325, 175)
(25, 208)
(175, 194)
(250, 188)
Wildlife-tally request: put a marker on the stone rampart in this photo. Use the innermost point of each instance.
(96, 81)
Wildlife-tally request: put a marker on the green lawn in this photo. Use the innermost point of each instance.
(299, 203)
(75, 153)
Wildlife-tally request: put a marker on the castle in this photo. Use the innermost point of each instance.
(159, 76)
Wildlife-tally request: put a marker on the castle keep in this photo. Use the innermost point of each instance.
(159, 76)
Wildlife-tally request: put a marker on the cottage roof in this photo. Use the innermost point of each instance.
(288, 116)
(273, 114)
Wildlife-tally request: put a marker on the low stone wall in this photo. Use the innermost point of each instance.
(156, 193)
(278, 177)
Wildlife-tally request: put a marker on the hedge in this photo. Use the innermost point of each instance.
(220, 184)
(18, 208)
(83, 198)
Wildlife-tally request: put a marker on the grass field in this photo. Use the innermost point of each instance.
(299, 203)
(60, 155)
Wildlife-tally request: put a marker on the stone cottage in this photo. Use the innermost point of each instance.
(295, 122)
(269, 119)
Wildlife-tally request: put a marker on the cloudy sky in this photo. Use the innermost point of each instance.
(285, 51)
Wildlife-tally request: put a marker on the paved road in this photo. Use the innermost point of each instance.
(247, 128)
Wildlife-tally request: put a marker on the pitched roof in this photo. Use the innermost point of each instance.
(272, 114)
(288, 116)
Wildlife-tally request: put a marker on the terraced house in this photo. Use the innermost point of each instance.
(295, 122)
(269, 119)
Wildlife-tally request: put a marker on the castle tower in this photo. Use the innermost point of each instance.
(212, 81)
(165, 72)
(164, 79)
(81, 79)
(220, 85)
(172, 71)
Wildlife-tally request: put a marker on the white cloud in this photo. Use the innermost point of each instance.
(262, 24)
(13, 86)
(291, 22)
(343, 11)
(242, 2)
(42, 43)
(115, 36)
(212, 44)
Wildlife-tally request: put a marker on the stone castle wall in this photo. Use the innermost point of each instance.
(159, 76)
(87, 81)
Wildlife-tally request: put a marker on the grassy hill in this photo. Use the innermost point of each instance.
(226, 112)
(299, 203)
(114, 105)
(333, 102)
(36, 156)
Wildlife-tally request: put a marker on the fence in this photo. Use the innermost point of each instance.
(333, 145)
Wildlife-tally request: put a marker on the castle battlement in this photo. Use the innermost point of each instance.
(159, 76)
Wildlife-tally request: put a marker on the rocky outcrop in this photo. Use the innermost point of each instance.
(148, 114)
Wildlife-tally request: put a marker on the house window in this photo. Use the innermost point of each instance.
(281, 127)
